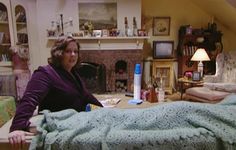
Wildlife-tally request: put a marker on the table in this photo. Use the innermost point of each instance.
(184, 81)
(124, 100)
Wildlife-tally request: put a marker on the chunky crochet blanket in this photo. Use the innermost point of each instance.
(175, 125)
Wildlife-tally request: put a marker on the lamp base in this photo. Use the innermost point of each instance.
(200, 68)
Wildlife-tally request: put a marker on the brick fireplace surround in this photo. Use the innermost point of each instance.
(119, 66)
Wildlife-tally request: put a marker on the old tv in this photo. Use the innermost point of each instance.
(163, 49)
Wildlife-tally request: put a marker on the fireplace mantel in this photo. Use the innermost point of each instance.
(110, 43)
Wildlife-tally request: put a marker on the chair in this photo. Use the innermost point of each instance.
(8, 85)
(8, 95)
(217, 87)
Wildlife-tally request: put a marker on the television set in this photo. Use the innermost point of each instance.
(163, 49)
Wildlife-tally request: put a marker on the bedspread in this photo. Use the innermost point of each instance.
(176, 125)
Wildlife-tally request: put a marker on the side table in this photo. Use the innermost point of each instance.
(189, 83)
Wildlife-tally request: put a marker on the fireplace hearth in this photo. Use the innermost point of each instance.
(118, 69)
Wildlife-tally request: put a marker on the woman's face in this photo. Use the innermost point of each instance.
(70, 56)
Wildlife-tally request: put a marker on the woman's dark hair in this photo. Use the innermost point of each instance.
(58, 48)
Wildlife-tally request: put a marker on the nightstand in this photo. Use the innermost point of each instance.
(187, 83)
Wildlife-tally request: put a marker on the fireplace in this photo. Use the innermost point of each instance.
(94, 76)
(117, 72)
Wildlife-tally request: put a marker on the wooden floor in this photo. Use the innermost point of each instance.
(174, 96)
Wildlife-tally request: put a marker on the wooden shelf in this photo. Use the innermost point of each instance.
(5, 44)
(20, 23)
(5, 63)
(3, 22)
(105, 38)
(109, 43)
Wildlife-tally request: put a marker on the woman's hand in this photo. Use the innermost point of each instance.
(17, 138)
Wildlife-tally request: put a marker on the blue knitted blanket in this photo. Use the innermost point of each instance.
(175, 125)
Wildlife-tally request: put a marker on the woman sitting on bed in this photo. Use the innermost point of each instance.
(55, 87)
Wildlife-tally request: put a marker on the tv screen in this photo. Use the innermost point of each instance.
(163, 49)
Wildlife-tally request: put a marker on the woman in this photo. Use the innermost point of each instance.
(55, 87)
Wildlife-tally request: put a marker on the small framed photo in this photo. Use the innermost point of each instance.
(105, 33)
(196, 76)
(81, 33)
(97, 33)
(161, 26)
(142, 32)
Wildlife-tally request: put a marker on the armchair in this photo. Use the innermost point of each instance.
(218, 86)
(8, 95)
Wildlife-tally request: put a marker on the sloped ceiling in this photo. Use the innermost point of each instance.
(224, 11)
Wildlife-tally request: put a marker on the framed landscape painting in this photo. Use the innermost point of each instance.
(100, 15)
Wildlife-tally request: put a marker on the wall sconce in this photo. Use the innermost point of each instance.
(200, 55)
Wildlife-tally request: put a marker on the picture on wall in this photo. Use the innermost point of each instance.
(98, 15)
(161, 26)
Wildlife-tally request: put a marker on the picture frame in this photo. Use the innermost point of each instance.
(196, 76)
(105, 32)
(102, 15)
(97, 33)
(142, 32)
(163, 49)
(161, 26)
(81, 33)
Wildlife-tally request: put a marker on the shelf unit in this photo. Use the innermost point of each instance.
(21, 26)
(209, 39)
(6, 37)
(13, 32)
(164, 68)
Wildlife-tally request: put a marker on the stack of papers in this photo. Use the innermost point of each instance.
(110, 102)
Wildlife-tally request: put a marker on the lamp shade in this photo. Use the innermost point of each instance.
(200, 55)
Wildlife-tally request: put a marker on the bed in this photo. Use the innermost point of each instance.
(174, 125)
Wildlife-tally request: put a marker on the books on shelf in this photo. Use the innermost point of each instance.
(20, 17)
(22, 38)
(1, 37)
(3, 15)
(4, 38)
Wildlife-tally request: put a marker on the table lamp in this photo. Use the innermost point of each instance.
(200, 55)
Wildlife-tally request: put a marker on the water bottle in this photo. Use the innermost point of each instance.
(137, 82)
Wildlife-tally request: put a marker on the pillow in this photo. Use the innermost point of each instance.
(226, 87)
(206, 93)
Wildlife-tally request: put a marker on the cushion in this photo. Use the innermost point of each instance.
(206, 93)
(227, 87)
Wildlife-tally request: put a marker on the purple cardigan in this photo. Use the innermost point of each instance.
(51, 88)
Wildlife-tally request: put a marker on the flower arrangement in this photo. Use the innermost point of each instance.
(188, 74)
(88, 26)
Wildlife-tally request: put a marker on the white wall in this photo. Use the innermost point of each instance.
(45, 11)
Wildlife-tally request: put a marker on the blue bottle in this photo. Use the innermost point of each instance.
(88, 108)
(137, 82)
